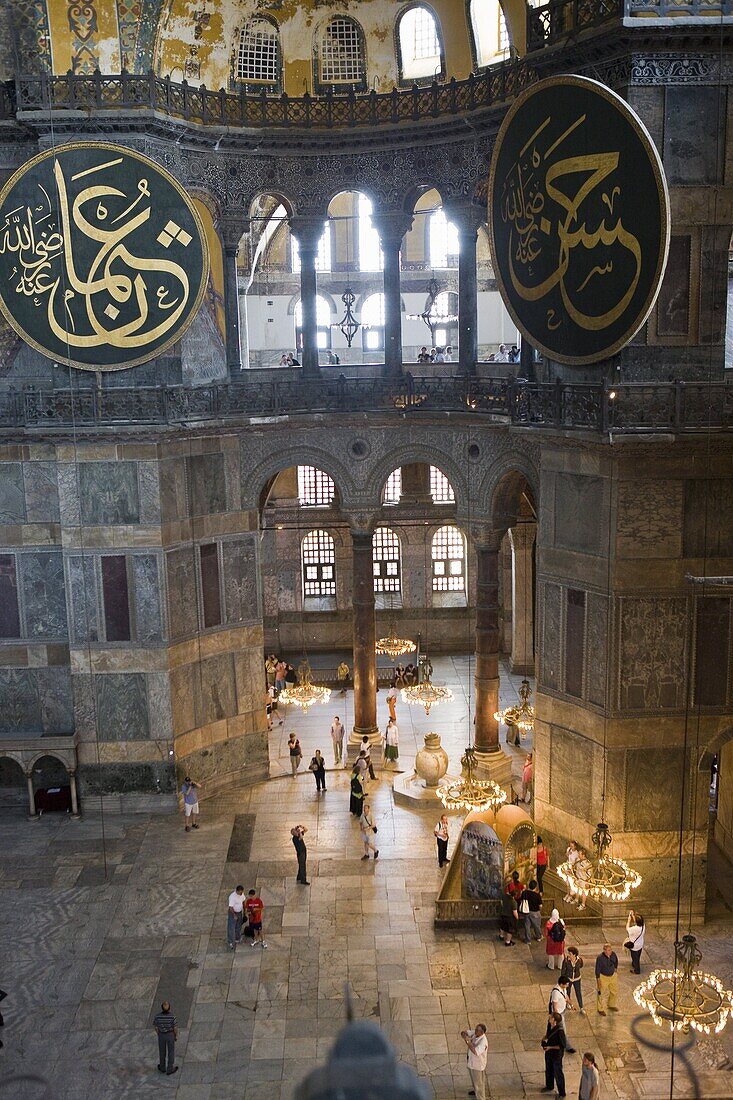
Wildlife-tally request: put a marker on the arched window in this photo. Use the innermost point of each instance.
(444, 319)
(323, 323)
(448, 552)
(323, 255)
(490, 34)
(259, 52)
(441, 489)
(444, 243)
(420, 52)
(393, 487)
(315, 489)
(372, 322)
(370, 249)
(386, 558)
(319, 565)
(341, 53)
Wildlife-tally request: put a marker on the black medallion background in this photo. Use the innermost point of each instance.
(103, 257)
(578, 218)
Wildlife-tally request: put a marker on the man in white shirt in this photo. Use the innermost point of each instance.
(235, 916)
(478, 1051)
(560, 1002)
(337, 736)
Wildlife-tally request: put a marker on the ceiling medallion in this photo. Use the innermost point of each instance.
(604, 876)
(469, 793)
(686, 998)
(426, 694)
(305, 693)
(521, 716)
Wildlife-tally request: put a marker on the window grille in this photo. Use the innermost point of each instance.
(370, 249)
(444, 243)
(259, 53)
(449, 560)
(423, 36)
(315, 488)
(341, 60)
(441, 489)
(386, 558)
(393, 487)
(319, 564)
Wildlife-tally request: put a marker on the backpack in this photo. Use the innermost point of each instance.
(557, 932)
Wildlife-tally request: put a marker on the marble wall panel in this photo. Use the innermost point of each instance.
(173, 492)
(182, 600)
(551, 655)
(693, 135)
(68, 494)
(159, 705)
(41, 492)
(9, 602)
(650, 771)
(241, 580)
(649, 519)
(148, 609)
(184, 684)
(56, 702)
(571, 772)
(83, 604)
(578, 512)
(122, 706)
(653, 644)
(85, 710)
(708, 518)
(109, 493)
(597, 648)
(12, 497)
(44, 596)
(20, 711)
(149, 491)
(218, 694)
(208, 483)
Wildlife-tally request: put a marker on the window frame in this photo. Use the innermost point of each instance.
(396, 478)
(250, 84)
(447, 560)
(326, 585)
(338, 87)
(500, 55)
(382, 577)
(320, 480)
(440, 498)
(405, 81)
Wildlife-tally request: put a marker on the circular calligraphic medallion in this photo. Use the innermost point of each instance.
(103, 258)
(579, 219)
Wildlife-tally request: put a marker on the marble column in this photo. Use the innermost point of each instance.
(231, 236)
(31, 796)
(392, 228)
(308, 232)
(522, 537)
(492, 759)
(365, 637)
(74, 799)
(467, 217)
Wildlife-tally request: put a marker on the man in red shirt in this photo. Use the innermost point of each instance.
(254, 909)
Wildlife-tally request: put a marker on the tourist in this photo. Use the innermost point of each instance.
(530, 910)
(542, 861)
(166, 1029)
(589, 1087)
(606, 980)
(391, 742)
(439, 356)
(571, 856)
(337, 737)
(366, 749)
(635, 939)
(360, 766)
(342, 676)
(399, 676)
(571, 967)
(270, 667)
(297, 833)
(190, 792)
(441, 836)
(280, 674)
(508, 918)
(295, 754)
(290, 677)
(318, 767)
(448, 354)
(356, 796)
(269, 699)
(255, 908)
(554, 1044)
(478, 1049)
(514, 354)
(559, 1003)
(515, 886)
(235, 917)
(410, 674)
(554, 940)
(527, 772)
(368, 828)
(392, 702)
(502, 355)
(424, 356)
(583, 870)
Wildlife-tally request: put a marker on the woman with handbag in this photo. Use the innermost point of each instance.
(635, 942)
(318, 767)
(367, 828)
(295, 754)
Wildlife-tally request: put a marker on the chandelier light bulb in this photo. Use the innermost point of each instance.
(686, 998)
(305, 693)
(521, 715)
(469, 793)
(604, 876)
(426, 694)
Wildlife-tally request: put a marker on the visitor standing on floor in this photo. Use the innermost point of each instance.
(635, 939)
(391, 743)
(515, 886)
(590, 1079)
(270, 668)
(296, 754)
(166, 1029)
(342, 675)
(555, 940)
(478, 1050)
(337, 737)
(297, 833)
(542, 861)
(368, 829)
(392, 703)
(235, 917)
(318, 767)
(508, 918)
(366, 749)
(254, 908)
(583, 870)
(190, 792)
(554, 1044)
(441, 836)
(281, 670)
(607, 980)
(572, 966)
(530, 911)
(356, 794)
(560, 1004)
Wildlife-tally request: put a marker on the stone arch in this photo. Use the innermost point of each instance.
(502, 485)
(16, 759)
(301, 455)
(13, 787)
(59, 757)
(420, 453)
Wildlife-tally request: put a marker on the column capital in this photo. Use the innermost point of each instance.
(392, 225)
(467, 216)
(362, 526)
(522, 535)
(485, 538)
(231, 234)
(307, 229)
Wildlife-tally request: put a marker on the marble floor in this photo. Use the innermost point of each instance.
(102, 919)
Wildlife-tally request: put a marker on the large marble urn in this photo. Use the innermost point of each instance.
(431, 762)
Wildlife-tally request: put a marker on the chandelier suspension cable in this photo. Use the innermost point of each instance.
(425, 693)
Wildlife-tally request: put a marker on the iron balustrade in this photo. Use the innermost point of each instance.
(626, 408)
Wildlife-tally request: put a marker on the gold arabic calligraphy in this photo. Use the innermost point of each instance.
(148, 295)
(528, 188)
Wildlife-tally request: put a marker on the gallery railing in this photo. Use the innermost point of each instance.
(626, 408)
(561, 21)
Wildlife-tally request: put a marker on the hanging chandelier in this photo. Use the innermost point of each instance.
(426, 694)
(392, 646)
(469, 793)
(522, 715)
(607, 877)
(305, 693)
(686, 998)
(348, 325)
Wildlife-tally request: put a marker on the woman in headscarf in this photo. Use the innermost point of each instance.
(555, 940)
(356, 798)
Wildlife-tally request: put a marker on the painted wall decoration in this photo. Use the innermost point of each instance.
(579, 219)
(103, 257)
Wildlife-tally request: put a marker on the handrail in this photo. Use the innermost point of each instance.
(627, 408)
